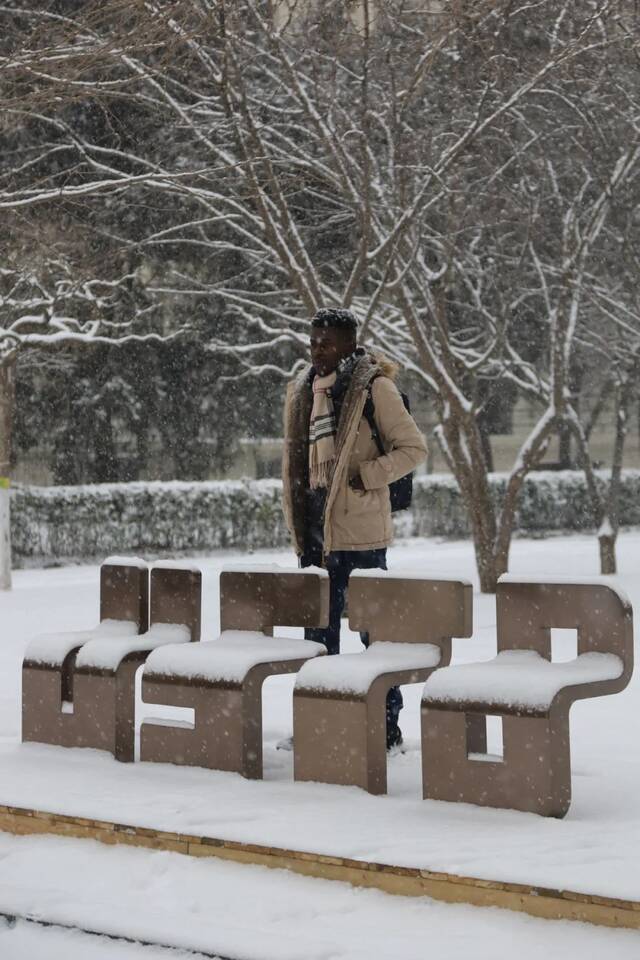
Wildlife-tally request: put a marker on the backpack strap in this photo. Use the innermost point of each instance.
(369, 413)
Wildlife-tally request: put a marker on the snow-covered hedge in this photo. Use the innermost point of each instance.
(68, 523)
(56, 524)
(550, 500)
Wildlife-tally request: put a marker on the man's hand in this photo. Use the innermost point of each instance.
(356, 483)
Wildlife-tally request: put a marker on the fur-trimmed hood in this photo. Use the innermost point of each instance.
(388, 368)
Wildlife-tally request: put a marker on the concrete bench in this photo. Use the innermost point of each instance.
(530, 693)
(106, 669)
(339, 717)
(221, 680)
(49, 698)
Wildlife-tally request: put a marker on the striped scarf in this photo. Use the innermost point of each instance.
(322, 432)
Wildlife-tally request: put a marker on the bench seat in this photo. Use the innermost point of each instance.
(353, 673)
(339, 704)
(517, 681)
(53, 648)
(228, 658)
(221, 680)
(529, 692)
(107, 653)
(53, 709)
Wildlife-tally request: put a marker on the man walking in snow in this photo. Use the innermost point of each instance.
(335, 481)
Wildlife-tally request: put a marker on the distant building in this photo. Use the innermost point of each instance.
(286, 11)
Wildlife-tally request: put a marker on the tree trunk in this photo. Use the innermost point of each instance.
(608, 532)
(483, 529)
(565, 454)
(463, 450)
(487, 450)
(6, 420)
(607, 543)
(531, 453)
(486, 565)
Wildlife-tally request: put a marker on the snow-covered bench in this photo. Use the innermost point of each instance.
(530, 693)
(221, 680)
(101, 713)
(106, 669)
(48, 669)
(339, 716)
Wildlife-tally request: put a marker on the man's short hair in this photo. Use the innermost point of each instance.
(337, 319)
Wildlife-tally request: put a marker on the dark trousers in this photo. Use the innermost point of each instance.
(340, 564)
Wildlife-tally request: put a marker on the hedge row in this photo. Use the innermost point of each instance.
(550, 500)
(52, 524)
(62, 524)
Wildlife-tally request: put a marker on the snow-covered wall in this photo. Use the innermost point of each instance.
(51, 524)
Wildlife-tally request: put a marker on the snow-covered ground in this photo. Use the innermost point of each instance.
(247, 912)
(253, 913)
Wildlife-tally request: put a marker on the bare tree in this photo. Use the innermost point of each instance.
(48, 310)
(434, 173)
(615, 343)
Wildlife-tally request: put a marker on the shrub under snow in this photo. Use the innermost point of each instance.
(58, 524)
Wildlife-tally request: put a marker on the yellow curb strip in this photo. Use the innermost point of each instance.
(402, 881)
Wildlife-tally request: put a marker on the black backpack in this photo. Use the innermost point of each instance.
(400, 491)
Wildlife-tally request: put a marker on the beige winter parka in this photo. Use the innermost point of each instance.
(354, 520)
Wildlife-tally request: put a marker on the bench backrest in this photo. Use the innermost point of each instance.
(260, 599)
(176, 596)
(124, 593)
(411, 609)
(601, 615)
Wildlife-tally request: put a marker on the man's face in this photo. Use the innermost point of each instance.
(328, 346)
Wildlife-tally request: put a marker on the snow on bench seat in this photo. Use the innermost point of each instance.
(518, 678)
(229, 657)
(273, 568)
(355, 672)
(107, 654)
(177, 565)
(137, 562)
(410, 573)
(52, 648)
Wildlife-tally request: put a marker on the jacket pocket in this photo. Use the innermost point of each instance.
(359, 517)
